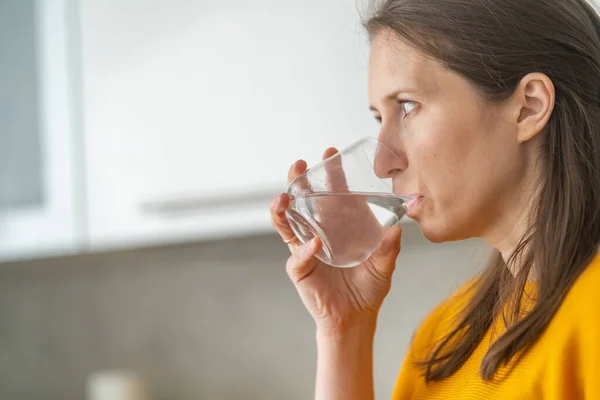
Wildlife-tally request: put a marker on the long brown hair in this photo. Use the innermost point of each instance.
(494, 44)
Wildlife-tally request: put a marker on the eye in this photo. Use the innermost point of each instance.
(407, 107)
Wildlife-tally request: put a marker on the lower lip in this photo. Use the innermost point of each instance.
(414, 205)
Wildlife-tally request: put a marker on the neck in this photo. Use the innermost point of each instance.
(509, 242)
(515, 211)
(511, 227)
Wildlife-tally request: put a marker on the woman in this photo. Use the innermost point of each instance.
(494, 106)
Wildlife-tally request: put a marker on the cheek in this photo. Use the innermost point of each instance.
(450, 161)
(441, 159)
(466, 173)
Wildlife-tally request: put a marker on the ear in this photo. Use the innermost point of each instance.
(534, 98)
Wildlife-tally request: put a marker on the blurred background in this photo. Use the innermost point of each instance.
(140, 144)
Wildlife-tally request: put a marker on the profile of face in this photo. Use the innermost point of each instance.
(471, 161)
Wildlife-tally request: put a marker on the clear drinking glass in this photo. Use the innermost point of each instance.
(347, 203)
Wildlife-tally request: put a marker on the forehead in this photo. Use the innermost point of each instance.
(394, 66)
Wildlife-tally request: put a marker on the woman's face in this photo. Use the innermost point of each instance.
(458, 152)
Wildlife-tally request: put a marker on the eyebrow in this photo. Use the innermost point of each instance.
(393, 96)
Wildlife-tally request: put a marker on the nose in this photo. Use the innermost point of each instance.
(388, 161)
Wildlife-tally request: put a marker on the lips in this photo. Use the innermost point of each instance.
(413, 205)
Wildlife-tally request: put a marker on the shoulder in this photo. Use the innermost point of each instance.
(580, 309)
(433, 328)
(588, 283)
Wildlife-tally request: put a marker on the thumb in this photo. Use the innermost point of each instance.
(384, 258)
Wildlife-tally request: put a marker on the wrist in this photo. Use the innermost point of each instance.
(360, 328)
(345, 360)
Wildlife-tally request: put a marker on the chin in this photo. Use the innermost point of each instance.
(435, 236)
(440, 232)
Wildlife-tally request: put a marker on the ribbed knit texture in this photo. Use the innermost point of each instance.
(563, 364)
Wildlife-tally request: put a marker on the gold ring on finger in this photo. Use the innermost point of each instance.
(290, 240)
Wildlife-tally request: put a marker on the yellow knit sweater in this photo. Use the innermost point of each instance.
(563, 364)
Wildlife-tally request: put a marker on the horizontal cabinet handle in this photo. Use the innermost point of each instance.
(191, 204)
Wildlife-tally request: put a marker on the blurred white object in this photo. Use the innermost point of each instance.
(115, 385)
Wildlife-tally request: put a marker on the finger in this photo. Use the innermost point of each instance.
(384, 258)
(279, 221)
(297, 168)
(335, 177)
(298, 174)
(329, 152)
(303, 262)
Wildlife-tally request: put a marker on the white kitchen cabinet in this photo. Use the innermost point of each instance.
(37, 176)
(194, 110)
